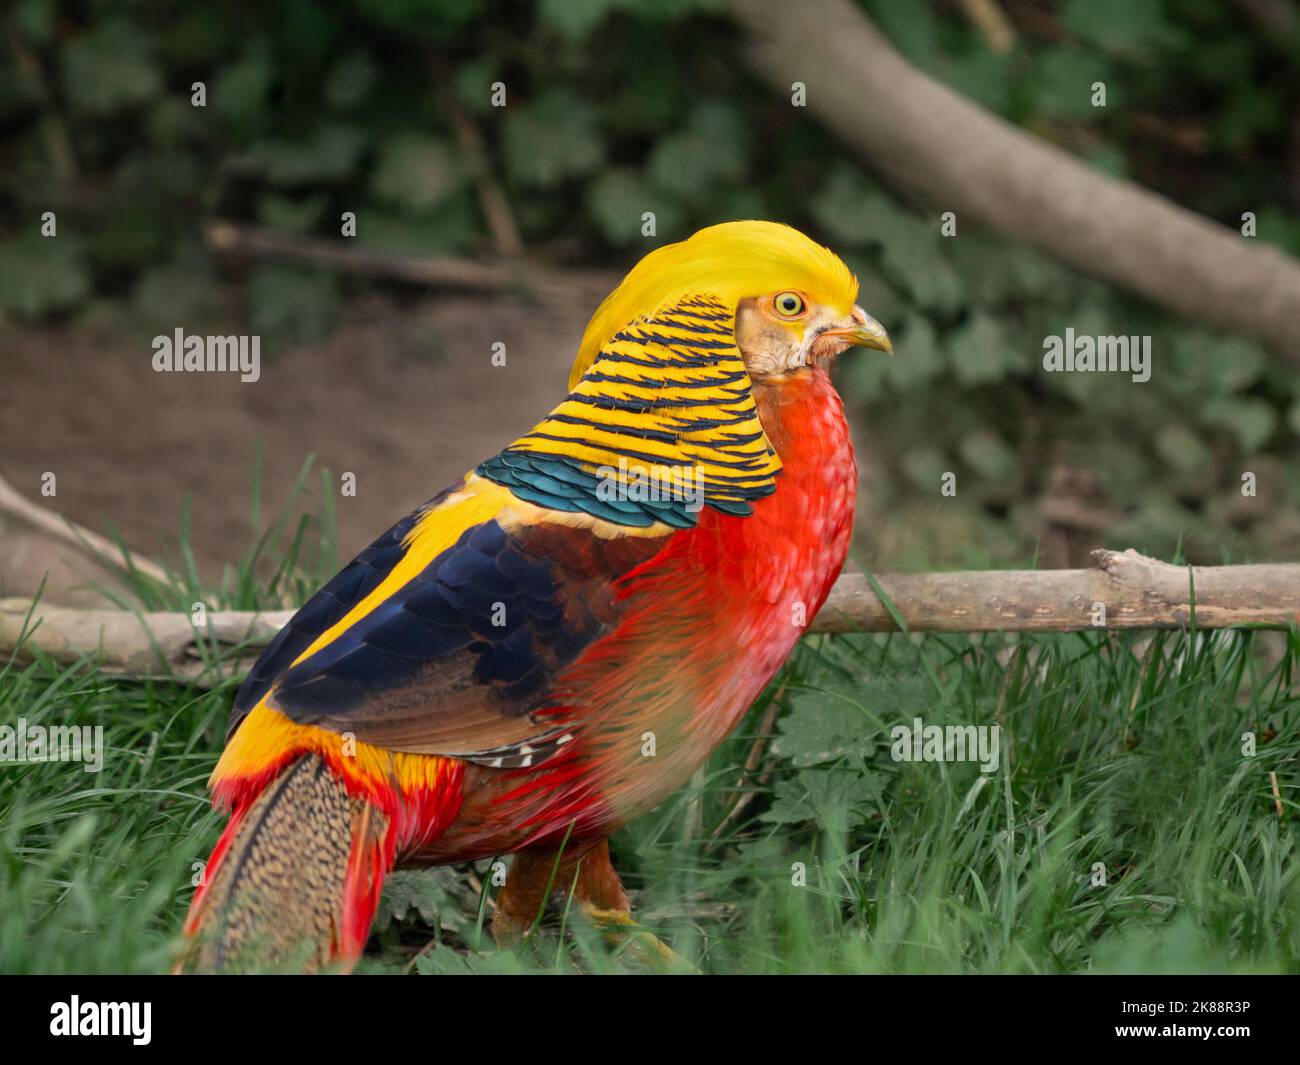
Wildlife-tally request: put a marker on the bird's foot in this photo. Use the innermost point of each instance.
(618, 928)
(593, 884)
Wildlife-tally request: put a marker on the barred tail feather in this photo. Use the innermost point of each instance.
(294, 881)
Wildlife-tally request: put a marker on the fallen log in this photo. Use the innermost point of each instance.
(1125, 590)
(232, 241)
(42, 546)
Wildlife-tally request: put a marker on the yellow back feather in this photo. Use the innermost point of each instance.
(731, 261)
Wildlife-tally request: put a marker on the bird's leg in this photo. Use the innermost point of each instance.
(534, 875)
(598, 891)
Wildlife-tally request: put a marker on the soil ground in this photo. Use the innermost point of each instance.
(403, 396)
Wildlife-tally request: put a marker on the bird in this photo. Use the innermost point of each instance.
(552, 645)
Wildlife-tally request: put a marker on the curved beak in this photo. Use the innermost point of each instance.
(865, 332)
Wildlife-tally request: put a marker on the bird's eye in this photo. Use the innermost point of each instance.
(788, 304)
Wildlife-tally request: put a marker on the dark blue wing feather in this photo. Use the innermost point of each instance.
(460, 658)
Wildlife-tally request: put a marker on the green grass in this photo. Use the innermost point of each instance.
(1122, 753)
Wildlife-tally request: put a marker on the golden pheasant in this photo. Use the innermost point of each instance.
(557, 641)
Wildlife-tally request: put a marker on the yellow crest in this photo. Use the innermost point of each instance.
(728, 262)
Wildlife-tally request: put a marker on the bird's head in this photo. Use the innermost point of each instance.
(663, 377)
(790, 302)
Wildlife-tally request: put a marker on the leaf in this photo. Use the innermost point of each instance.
(1066, 74)
(42, 275)
(911, 250)
(911, 28)
(821, 727)
(856, 212)
(414, 173)
(996, 272)
(34, 20)
(110, 68)
(448, 227)
(1200, 363)
(299, 214)
(438, 897)
(713, 150)
(837, 798)
(1182, 449)
(130, 234)
(1122, 27)
(552, 140)
(618, 198)
(981, 75)
(988, 455)
(328, 155)
(350, 80)
(925, 467)
(575, 19)
(848, 207)
(291, 304)
(917, 358)
(454, 963)
(240, 92)
(410, 892)
(177, 292)
(979, 351)
(472, 83)
(445, 22)
(1252, 421)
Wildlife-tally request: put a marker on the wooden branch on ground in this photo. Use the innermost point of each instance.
(925, 138)
(149, 644)
(1137, 593)
(443, 272)
(39, 541)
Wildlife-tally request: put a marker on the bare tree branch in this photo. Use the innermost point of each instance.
(1136, 593)
(40, 543)
(925, 138)
(993, 24)
(158, 644)
(491, 193)
(251, 242)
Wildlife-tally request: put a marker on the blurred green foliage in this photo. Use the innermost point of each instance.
(616, 108)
